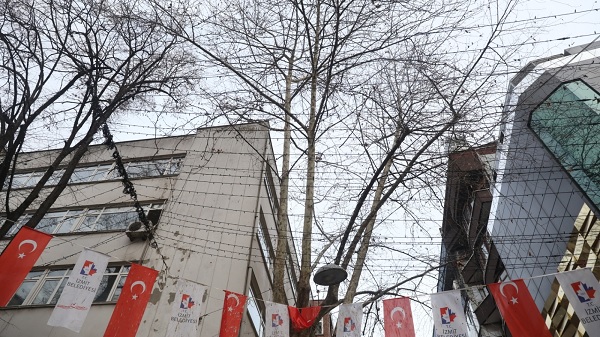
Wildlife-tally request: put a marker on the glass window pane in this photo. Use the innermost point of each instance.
(34, 179)
(568, 123)
(142, 169)
(113, 173)
(46, 291)
(119, 288)
(59, 291)
(55, 177)
(20, 179)
(56, 272)
(22, 221)
(34, 275)
(175, 166)
(105, 287)
(82, 174)
(22, 293)
(67, 224)
(115, 219)
(101, 173)
(89, 221)
(49, 223)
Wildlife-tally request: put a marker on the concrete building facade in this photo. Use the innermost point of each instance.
(213, 199)
(466, 244)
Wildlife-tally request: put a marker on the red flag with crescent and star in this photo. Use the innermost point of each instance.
(303, 318)
(518, 309)
(18, 258)
(398, 320)
(233, 310)
(128, 312)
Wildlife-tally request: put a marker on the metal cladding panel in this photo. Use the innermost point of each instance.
(535, 200)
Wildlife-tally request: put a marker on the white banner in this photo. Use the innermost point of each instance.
(581, 288)
(448, 315)
(277, 320)
(186, 310)
(79, 292)
(349, 320)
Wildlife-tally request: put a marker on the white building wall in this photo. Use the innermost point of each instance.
(206, 234)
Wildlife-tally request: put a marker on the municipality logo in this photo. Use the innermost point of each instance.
(89, 268)
(276, 320)
(186, 302)
(447, 315)
(349, 324)
(583, 292)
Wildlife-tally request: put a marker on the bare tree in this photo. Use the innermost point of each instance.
(379, 79)
(66, 68)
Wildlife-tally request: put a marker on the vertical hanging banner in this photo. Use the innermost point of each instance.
(277, 320)
(76, 299)
(518, 309)
(448, 316)
(128, 312)
(233, 310)
(398, 320)
(186, 310)
(18, 258)
(580, 287)
(349, 320)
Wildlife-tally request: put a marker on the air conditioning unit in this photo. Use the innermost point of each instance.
(136, 230)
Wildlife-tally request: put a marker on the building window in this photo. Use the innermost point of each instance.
(319, 327)
(85, 220)
(256, 312)
(568, 124)
(43, 287)
(271, 192)
(151, 168)
(264, 241)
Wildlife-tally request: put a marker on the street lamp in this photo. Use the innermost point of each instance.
(330, 274)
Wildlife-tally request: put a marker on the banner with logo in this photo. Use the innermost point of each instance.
(277, 320)
(128, 312)
(233, 310)
(349, 320)
(448, 316)
(76, 299)
(518, 309)
(18, 258)
(580, 287)
(397, 318)
(186, 310)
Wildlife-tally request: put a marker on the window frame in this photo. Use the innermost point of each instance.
(172, 167)
(265, 243)
(46, 275)
(253, 302)
(79, 221)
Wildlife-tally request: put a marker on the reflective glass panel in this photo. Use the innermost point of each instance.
(568, 123)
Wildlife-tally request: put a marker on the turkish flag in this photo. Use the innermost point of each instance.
(18, 258)
(128, 312)
(518, 309)
(233, 310)
(303, 318)
(398, 320)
